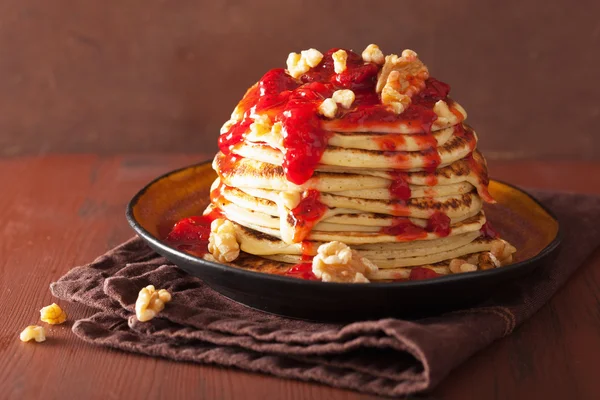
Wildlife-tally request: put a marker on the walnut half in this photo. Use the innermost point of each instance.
(150, 302)
(412, 73)
(222, 243)
(336, 262)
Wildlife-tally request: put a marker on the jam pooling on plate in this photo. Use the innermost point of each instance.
(191, 234)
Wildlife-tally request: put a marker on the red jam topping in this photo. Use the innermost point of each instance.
(405, 230)
(439, 223)
(302, 271)
(191, 234)
(419, 273)
(307, 251)
(307, 213)
(488, 231)
(294, 103)
(391, 141)
(419, 114)
(399, 189)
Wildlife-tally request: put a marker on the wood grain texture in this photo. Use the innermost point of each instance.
(62, 211)
(162, 76)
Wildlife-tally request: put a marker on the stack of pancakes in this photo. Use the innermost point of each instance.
(402, 197)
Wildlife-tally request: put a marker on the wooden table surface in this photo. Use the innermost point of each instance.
(59, 211)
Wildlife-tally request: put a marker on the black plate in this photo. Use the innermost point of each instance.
(518, 217)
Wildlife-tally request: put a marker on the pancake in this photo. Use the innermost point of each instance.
(342, 170)
(364, 140)
(453, 205)
(255, 242)
(458, 147)
(333, 220)
(247, 173)
(372, 193)
(472, 224)
(391, 260)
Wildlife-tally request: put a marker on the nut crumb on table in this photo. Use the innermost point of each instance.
(33, 332)
(53, 314)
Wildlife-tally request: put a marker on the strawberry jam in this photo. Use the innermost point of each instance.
(294, 103)
(191, 234)
(439, 223)
(419, 273)
(405, 230)
(390, 142)
(488, 231)
(399, 188)
(302, 271)
(307, 213)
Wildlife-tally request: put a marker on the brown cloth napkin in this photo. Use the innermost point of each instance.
(386, 357)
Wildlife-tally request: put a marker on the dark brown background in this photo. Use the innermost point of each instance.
(162, 76)
(153, 76)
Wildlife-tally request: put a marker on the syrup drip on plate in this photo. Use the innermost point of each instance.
(191, 234)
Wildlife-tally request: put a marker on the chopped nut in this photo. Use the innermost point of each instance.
(392, 97)
(503, 251)
(466, 267)
(373, 54)
(299, 64)
(150, 302)
(441, 109)
(455, 265)
(312, 57)
(328, 108)
(344, 97)
(261, 126)
(488, 261)
(458, 266)
(339, 61)
(413, 73)
(222, 243)
(33, 332)
(296, 65)
(336, 262)
(498, 248)
(53, 314)
(409, 55)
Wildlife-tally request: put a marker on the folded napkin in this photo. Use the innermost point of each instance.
(387, 357)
